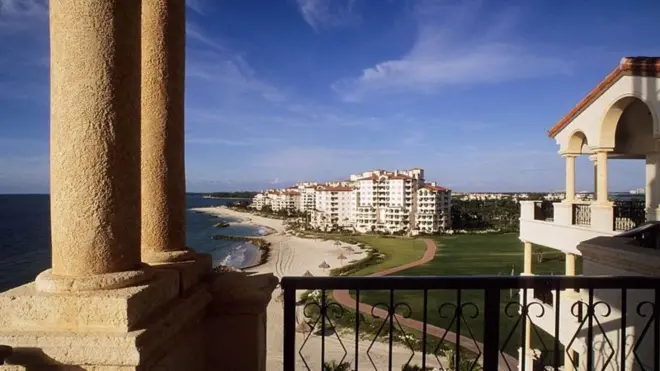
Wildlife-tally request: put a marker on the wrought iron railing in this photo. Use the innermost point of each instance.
(472, 322)
(581, 214)
(628, 214)
(544, 295)
(543, 210)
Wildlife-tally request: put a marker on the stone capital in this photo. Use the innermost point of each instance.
(238, 292)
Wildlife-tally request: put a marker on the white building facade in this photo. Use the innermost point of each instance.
(618, 120)
(373, 201)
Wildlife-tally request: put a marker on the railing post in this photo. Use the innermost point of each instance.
(289, 326)
(491, 328)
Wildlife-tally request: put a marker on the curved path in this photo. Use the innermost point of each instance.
(344, 298)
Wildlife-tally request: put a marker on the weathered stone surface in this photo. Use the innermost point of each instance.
(240, 292)
(26, 309)
(162, 101)
(238, 305)
(95, 137)
(190, 272)
(143, 349)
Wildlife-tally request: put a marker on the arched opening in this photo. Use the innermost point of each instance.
(627, 127)
(577, 143)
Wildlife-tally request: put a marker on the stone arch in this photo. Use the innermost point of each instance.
(577, 143)
(612, 117)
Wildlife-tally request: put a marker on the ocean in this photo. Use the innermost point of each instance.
(25, 236)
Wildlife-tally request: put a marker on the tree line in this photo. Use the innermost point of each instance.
(503, 215)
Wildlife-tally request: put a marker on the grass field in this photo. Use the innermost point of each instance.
(469, 255)
(397, 252)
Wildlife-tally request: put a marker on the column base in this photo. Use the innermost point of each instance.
(139, 328)
(190, 271)
(46, 281)
(173, 256)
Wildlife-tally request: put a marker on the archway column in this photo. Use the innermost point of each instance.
(602, 176)
(570, 177)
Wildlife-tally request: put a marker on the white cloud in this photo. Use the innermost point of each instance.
(243, 142)
(224, 69)
(22, 15)
(197, 5)
(321, 163)
(321, 14)
(455, 44)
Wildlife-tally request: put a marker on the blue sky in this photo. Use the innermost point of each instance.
(286, 90)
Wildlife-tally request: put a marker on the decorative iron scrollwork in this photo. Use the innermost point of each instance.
(391, 314)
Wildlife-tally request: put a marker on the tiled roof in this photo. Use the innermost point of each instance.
(629, 66)
(336, 189)
(436, 188)
(400, 176)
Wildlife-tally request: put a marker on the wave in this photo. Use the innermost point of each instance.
(240, 255)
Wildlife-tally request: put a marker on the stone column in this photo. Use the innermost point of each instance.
(652, 189)
(570, 177)
(527, 264)
(570, 264)
(592, 158)
(95, 146)
(163, 169)
(601, 177)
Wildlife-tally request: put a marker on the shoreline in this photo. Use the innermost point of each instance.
(296, 256)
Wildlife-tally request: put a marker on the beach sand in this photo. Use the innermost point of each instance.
(292, 256)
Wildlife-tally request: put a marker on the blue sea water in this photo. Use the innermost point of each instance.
(25, 236)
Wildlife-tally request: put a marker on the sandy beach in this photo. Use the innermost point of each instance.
(292, 256)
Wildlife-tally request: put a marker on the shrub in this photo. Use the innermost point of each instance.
(335, 366)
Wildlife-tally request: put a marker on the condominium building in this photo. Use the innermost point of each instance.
(333, 207)
(433, 209)
(373, 201)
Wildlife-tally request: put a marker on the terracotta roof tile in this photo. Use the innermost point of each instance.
(629, 66)
(436, 188)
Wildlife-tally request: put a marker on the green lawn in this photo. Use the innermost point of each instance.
(467, 255)
(398, 251)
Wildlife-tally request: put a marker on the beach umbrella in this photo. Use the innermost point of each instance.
(304, 327)
(337, 243)
(324, 265)
(341, 257)
(308, 274)
(348, 248)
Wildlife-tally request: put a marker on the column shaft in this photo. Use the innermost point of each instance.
(527, 264)
(163, 168)
(652, 189)
(570, 264)
(95, 136)
(570, 178)
(601, 179)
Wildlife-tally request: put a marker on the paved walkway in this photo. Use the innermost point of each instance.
(344, 298)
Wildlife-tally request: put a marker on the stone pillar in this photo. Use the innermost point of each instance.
(570, 264)
(163, 169)
(527, 264)
(594, 162)
(95, 146)
(652, 189)
(601, 177)
(238, 305)
(570, 177)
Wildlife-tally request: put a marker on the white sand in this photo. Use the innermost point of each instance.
(292, 256)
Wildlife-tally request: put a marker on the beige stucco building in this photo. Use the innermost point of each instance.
(617, 120)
